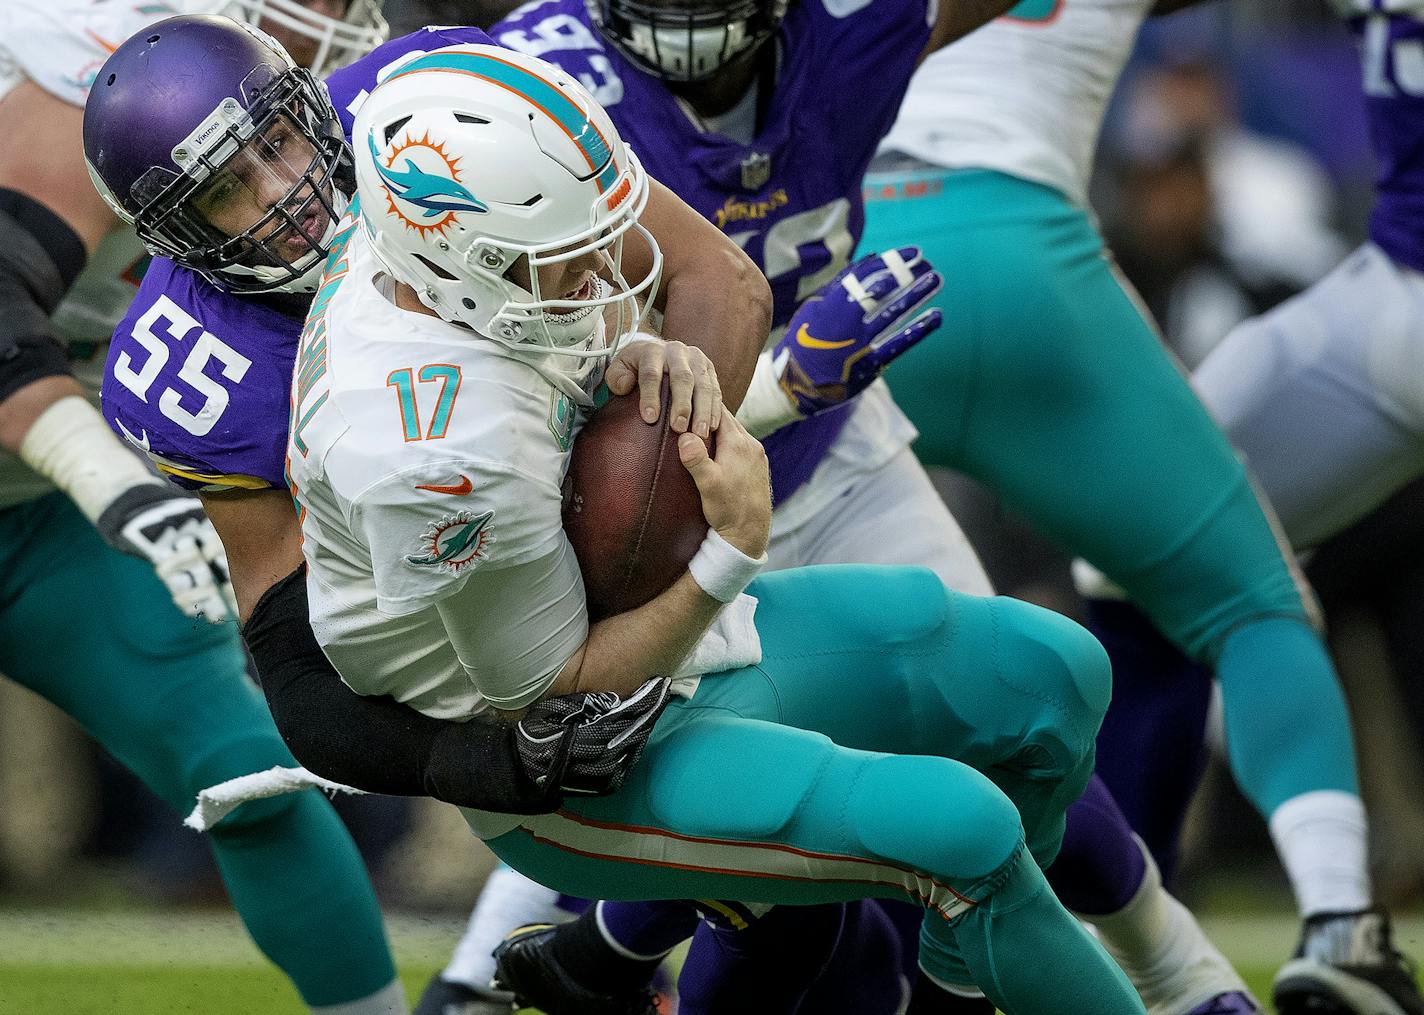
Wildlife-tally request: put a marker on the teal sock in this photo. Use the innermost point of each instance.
(298, 883)
(1287, 725)
(1031, 958)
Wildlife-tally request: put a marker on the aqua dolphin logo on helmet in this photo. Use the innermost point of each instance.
(438, 197)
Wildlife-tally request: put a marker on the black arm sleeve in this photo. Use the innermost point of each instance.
(375, 743)
(40, 257)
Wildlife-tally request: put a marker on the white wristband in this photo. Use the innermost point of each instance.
(721, 570)
(70, 446)
(766, 408)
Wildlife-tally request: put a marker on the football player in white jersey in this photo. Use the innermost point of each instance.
(231, 475)
(987, 169)
(438, 572)
(129, 657)
(1325, 396)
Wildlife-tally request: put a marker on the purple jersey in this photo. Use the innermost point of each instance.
(199, 378)
(791, 198)
(1392, 37)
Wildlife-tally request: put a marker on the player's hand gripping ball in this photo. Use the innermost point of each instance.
(631, 510)
(840, 339)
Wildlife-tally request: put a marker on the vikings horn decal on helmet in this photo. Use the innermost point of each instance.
(686, 40)
(326, 43)
(471, 159)
(233, 171)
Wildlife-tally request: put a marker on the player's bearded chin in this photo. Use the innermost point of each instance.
(585, 307)
(589, 329)
(586, 327)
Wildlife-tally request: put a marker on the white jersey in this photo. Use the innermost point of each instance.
(425, 458)
(60, 46)
(877, 433)
(1025, 94)
(419, 456)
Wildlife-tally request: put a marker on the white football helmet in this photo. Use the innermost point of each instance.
(471, 157)
(339, 41)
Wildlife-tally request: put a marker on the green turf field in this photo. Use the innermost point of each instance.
(161, 963)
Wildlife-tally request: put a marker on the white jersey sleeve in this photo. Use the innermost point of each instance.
(61, 44)
(432, 526)
(515, 629)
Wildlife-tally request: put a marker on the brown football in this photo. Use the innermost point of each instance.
(631, 510)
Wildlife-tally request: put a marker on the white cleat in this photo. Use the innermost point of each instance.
(1191, 975)
(1167, 956)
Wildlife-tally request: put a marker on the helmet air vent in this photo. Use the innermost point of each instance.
(435, 268)
(394, 126)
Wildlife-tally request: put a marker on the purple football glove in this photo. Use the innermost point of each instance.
(840, 339)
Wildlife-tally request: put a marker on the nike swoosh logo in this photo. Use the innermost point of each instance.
(139, 442)
(803, 337)
(458, 490)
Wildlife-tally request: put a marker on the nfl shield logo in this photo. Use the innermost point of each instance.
(756, 170)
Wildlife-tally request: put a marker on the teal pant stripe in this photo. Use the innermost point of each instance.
(96, 633)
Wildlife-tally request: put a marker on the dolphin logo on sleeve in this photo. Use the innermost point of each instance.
(454, 543)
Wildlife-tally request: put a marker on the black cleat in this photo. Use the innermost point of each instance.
(446, 997)
(1346, 964)
(525, 965)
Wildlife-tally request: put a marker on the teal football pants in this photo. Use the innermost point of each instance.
(847, 764)
(95, 632)
(1048, 384)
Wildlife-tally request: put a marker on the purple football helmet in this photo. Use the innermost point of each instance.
(686, 40)
(223, 154)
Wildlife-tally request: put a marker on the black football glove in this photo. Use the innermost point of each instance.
(585, 743)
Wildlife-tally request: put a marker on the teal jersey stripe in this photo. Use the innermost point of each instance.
(559, 107)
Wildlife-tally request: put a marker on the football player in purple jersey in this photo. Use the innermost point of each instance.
(1325, 396)
(241, 186)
